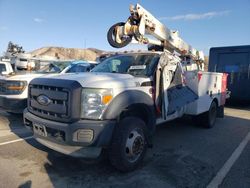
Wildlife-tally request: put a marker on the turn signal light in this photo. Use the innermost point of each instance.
(106, 99)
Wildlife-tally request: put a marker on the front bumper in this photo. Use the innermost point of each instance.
(13, 105)
(71, 138)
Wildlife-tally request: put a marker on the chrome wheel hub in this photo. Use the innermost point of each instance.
(134, 146)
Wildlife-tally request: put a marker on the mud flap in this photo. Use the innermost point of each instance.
(220, 112)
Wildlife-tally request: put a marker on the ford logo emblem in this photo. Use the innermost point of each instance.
(43, 100)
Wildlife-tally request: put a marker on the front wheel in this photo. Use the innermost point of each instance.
(128, 145)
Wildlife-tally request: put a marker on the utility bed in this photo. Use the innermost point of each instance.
(206, 85)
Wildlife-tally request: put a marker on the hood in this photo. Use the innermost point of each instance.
(101, 80)
(22, 77)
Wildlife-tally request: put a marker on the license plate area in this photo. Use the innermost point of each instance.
(40, 130)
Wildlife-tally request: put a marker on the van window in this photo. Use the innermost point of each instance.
(234, 63)
(2, 68)
(79, 68)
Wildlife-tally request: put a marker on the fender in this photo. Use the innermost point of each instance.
(126, 99)
(134, 98)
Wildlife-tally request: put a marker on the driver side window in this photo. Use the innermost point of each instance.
(77, 69)
(114, 65)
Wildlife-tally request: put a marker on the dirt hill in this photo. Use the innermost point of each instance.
(76, 53)
(68, 53)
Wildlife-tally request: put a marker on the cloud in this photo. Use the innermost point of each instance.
(38, 20)
(190, 17)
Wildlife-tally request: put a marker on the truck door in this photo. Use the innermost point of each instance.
(173, 94)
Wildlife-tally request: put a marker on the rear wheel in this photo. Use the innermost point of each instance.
(128, 145)
(210, 116)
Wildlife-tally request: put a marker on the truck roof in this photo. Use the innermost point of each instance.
(138, 52)
(83, 62)
(230, 47)
(4, 62)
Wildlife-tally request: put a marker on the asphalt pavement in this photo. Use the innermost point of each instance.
(184, 155)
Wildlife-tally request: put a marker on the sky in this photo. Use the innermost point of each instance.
(84, 24)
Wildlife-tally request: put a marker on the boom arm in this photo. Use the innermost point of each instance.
(142, 24)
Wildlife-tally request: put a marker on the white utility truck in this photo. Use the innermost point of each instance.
(14, 87)
(116, 107)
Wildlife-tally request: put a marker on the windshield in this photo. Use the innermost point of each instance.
(51, 67)
(2, 68)
(44, 67)
(141, 65)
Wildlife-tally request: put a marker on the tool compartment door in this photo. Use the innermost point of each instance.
(207, 86)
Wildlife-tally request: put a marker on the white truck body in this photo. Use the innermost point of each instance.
(206, 85)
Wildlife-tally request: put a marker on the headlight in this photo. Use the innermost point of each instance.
(94, 102)
(15, 87)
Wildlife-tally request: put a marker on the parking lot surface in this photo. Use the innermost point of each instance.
(184, 155)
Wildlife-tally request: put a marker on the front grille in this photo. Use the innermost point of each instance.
(64, 98)
(59, 101)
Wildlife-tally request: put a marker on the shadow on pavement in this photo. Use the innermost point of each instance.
(242, 105)
(27, 184)
(184, 155)
(14, 124)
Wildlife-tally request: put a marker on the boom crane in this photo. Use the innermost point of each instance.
(144, 28)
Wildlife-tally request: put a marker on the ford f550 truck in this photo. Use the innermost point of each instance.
(116, 107)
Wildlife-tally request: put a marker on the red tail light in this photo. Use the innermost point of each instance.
(199, 76)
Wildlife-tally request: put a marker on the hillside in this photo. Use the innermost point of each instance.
(68, 53)
(77, 53)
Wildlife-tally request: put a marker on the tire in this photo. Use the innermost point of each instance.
(207, 119)
(129, 145)
(111, 40)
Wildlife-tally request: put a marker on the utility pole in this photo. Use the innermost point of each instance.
(85, 48)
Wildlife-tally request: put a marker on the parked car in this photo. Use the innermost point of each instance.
(14, 88)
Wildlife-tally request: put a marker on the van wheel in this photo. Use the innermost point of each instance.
(128, 145)
(209, 117)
